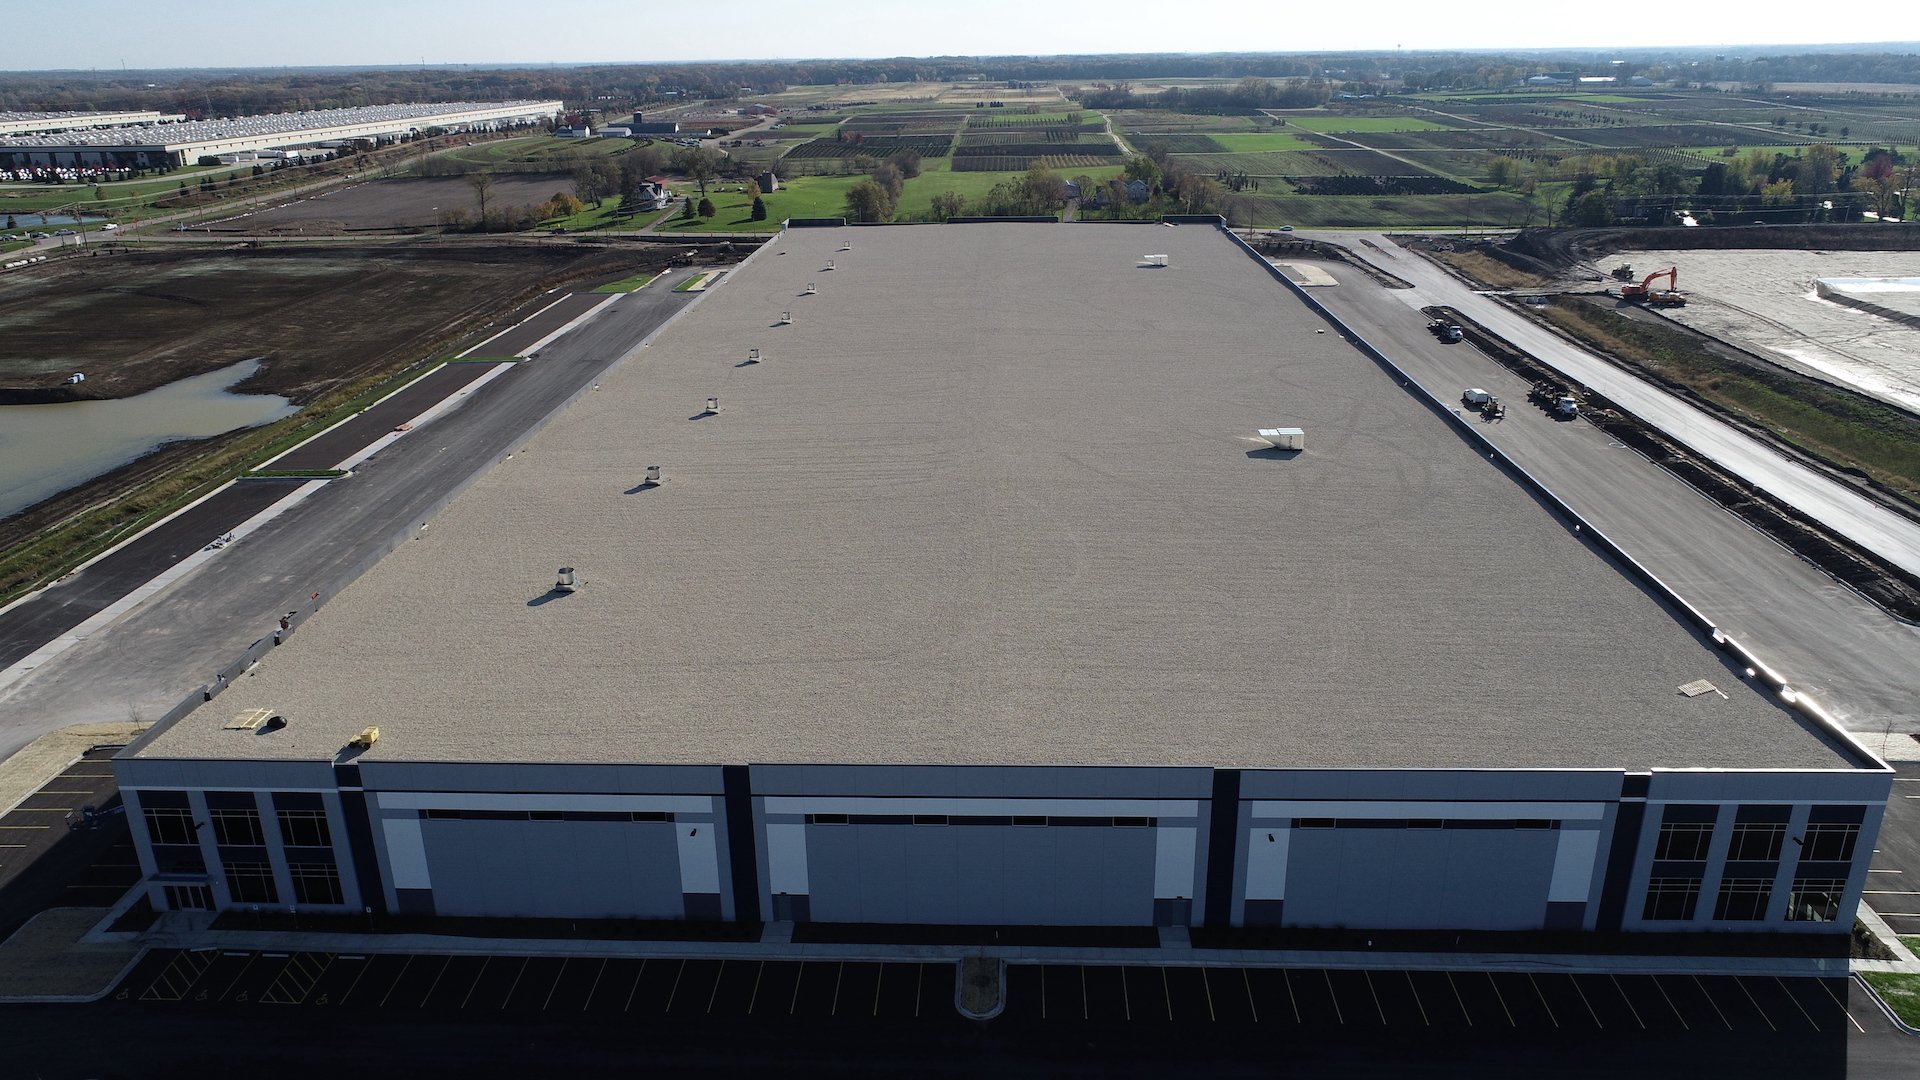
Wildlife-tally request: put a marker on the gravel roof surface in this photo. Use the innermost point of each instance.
(992, 499)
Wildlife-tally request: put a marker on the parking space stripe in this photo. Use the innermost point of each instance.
(1543, 999)
(671, 994)
(1796, 1002)
(1338, 1013)
(1591, 1011)
(1371, 989)
(1417, 1003)
(1086, 1011)
(475, 984)
(562, 973)
(712, 997)
(1843, 1007)
(1167, 991)
(1502, 999)
(1710, 1001)
(1676, 1009)
(754, 998)
(1622, 991)
(1252, 1006)
(435, 984)
(1457, 997)
(920, 973)
(236, 979)
(1043, 991)
(794, 1005)
(636, 985)
(1126, 999)
(396, 980)
(595, 988)
(842, 974)
(1741, 983)
(879, 981)
(355, 985)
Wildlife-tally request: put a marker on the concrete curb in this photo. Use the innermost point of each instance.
(1885, 1009)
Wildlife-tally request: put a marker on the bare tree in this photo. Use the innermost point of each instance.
(482, 188)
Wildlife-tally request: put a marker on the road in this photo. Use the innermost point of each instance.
(1872, 526)
(142, 665)
(1854, 659)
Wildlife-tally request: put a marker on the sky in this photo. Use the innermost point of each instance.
(273, 33)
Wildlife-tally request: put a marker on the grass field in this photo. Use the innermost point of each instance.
(1333, 125)
(1261, 142)
(628, 284)
(1900, 990)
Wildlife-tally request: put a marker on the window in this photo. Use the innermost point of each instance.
(929, 819)
(826, 819)
(1829, 842)
(170, 825)
(1029, 820)
(305, 828)
(1756, 841)
(239, 828)
(1671, 899)
(1684, 841)
(251, 883)
(1815, 899)
(1743, 899)
(315, 883)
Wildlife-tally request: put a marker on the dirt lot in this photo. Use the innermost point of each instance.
(321, 318)
(1764, 301)
(392, 204)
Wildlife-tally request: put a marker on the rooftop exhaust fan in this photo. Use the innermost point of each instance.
(569, 581)
(829, 264)
(753, 356)
(811, 291)
(713, 404)
(845, 245)
(786, 318)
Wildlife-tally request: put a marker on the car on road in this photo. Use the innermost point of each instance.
(1286, 228)
(37, 236)
(64, 232)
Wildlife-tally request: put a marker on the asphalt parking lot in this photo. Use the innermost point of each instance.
(1301, 998)
(44, 863)
(522, 985)
(1423, 1001)
(1893, 882)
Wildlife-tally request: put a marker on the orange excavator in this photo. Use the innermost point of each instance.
(1645, 293)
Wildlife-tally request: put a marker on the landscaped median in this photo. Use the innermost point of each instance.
(624, 285)
(1900, 990)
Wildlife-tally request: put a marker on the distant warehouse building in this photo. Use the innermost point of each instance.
(977, 600)
(151, 145)
(35, 123)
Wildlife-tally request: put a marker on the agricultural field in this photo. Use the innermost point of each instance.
(1261, 142)
(1336, 125)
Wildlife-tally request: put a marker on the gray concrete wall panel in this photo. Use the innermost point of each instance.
(555, 869)
(1060, 876)
(1469, 879)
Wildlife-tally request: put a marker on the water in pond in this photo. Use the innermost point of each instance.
(46, 449)
(24, 219)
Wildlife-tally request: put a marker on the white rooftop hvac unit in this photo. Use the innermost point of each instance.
(1285, 438)
(1154, 260)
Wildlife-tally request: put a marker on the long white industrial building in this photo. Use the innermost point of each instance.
(977, 600)
(183, 143)
(35, 123)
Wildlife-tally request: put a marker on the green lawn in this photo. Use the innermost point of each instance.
(1262, 142)
(1900, 990)
(800, 197)
(1336, 124)
(630, 284)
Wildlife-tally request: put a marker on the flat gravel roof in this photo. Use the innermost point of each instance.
(993, 497)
